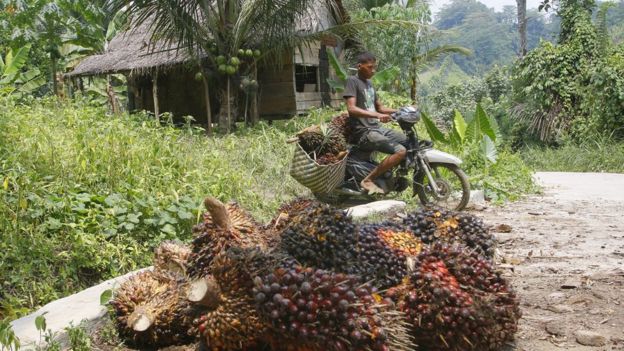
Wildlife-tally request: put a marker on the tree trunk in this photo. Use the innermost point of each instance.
(229, 105)
(255, 116)
(54, 82)
(323, 76)
(112, 100)
(522, 26)
(208, 106)
(155, 95)
(413, 85)
(227, 108)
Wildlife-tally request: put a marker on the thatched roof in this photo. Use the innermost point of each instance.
(130, 51)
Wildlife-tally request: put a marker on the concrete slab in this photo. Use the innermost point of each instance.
(377, 207)
(59, 314)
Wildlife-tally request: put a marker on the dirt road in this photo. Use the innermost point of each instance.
(565, 257)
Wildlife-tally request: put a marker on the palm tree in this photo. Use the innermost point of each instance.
(420, 61)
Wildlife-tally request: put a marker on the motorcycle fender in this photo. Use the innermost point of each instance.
(436, 156)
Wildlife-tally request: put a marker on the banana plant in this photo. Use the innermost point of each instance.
(13, 79)
(481, 130)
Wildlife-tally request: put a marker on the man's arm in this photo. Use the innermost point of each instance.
(357, 112)
(381, 108)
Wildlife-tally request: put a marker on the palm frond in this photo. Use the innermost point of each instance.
(176, 23)
(434, 54)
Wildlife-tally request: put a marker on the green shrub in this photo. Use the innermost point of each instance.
(488, 163)
(85, 196)
(600, 155)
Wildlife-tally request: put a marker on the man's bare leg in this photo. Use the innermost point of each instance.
(368, 183)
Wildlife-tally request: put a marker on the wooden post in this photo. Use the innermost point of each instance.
(155, 94)
(208, 106)
(112, 99)
(54, 81)
(229, 105)
(131, 93)
(254, 99)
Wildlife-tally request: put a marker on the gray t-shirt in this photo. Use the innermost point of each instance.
(365, 98)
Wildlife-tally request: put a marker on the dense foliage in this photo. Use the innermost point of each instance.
(575, 86)
(472, 24)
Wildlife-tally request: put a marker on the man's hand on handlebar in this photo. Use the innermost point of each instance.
(383, 118)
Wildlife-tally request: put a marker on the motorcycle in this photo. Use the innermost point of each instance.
(437, 178)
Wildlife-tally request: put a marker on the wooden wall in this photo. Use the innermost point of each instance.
(180, 94)
(278, 95)
(277, 90)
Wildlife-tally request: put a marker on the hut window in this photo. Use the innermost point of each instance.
(306, 78)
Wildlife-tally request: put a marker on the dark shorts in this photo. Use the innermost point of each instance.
(384, 140)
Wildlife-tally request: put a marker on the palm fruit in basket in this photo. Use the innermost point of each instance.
(151, 311)
(319, 309)
(324, 145)
(456, 301)
(438, 225)
(341, 125)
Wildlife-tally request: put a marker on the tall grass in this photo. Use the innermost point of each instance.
(600, 155)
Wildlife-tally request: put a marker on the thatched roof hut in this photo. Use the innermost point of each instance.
(160, 77)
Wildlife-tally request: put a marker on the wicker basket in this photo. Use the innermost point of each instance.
(318, 178)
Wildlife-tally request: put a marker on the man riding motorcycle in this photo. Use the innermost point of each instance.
(365, 114)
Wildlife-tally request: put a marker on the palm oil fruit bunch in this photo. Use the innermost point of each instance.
(322, 236)
(324, 145)
(433, 225)
(224, 226)
(286, 212)
(151, 311)
(228, 320)
(377, 260)
(455, 301)
(172, 257)
(400, 240)
(329, 310)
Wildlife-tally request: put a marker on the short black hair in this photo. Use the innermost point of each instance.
(366, 57)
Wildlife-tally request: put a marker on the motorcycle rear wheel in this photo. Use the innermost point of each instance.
(452, 182)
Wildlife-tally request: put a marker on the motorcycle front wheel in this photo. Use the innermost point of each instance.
(452, 183)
